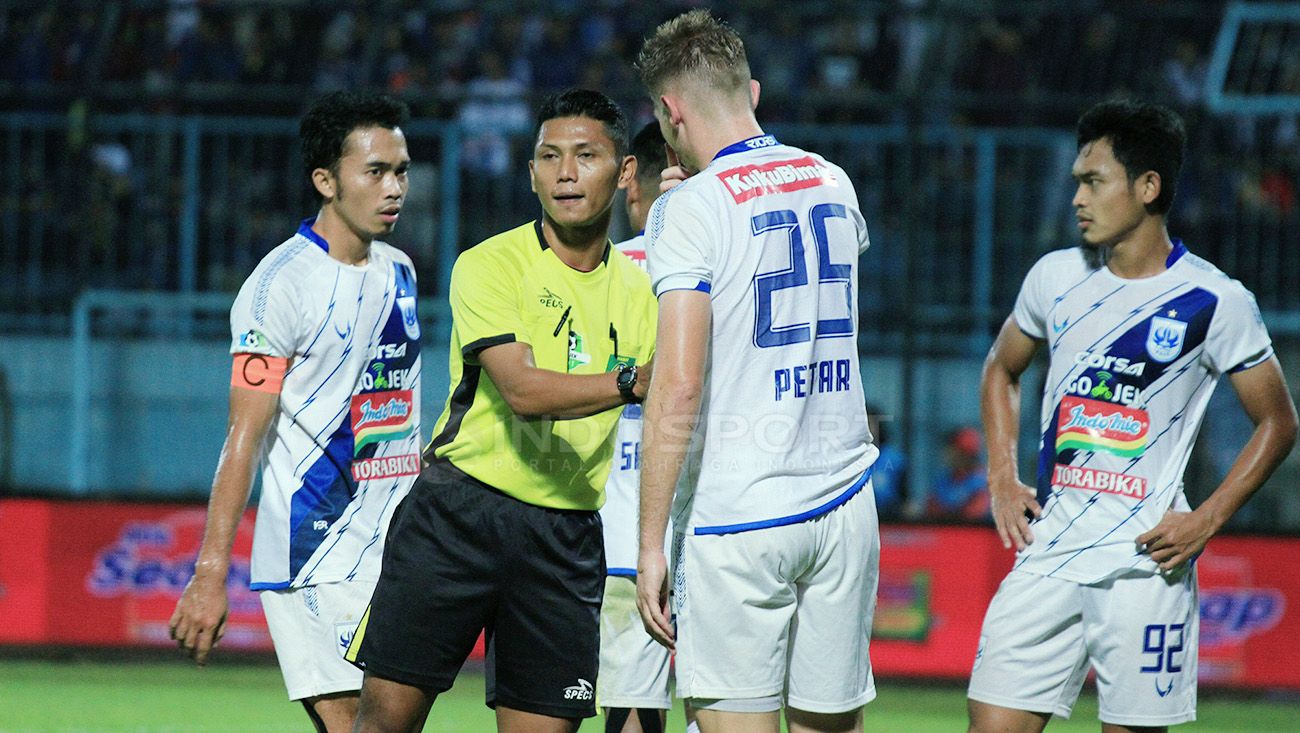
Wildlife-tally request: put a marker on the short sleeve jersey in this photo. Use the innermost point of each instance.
(619, 515)
(772, 233)
(513, 288)
(1132, 365)
(345, 446)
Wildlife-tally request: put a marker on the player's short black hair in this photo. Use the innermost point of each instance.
(333, 117)
(590, 104)
(1144, 137)
(648, 147)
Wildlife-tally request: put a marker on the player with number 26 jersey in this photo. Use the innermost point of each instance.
(783, 433)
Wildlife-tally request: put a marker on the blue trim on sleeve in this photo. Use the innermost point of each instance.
(268, 586)
(703, 286)
(793, 518)
(304, 228)
(1247, 364)
(621, 572)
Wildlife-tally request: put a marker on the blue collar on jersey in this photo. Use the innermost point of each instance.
(1176, 254)
(753, 143)
(304, 228)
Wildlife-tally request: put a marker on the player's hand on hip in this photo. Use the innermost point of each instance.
(1014, 504)
(652, 597)
(1177, 539)
(199, 620)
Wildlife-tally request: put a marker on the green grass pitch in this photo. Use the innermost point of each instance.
(176, 697)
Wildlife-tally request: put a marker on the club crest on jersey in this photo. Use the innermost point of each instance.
(409, 320)
(1165, 339)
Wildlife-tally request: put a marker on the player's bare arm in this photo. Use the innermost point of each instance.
(533, 392)
(199, 619)
(672, 409)
(1262, 389)
(1013, 501)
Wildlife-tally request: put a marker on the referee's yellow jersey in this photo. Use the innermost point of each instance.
(512, 288)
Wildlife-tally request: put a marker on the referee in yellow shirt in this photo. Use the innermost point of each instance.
(552, 330)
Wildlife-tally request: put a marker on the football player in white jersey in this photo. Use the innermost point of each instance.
(325, 395)
(757, 419)
(633, 685)
(1138, 331)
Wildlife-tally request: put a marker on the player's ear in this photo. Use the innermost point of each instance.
(673, 108)
(532, 176)
(1150, 187)
(753, 93)
(627, 171)
(323, 180)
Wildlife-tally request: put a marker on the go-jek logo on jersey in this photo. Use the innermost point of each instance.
(1085, 424)
(1230, 615)
(782, 176)
(379, 416)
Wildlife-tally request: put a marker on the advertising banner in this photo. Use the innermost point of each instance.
(109, 574)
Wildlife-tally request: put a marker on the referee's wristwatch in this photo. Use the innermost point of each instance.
(626, 381)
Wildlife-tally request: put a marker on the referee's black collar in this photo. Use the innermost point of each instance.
(541, 239)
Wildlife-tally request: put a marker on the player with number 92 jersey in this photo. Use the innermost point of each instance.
(1133, 363)
(783, 432)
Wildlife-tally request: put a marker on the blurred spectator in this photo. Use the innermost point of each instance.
(961, 491)
(996, 67)
(1184, 73)
(494, 107)
(889, 475)
(557, 61)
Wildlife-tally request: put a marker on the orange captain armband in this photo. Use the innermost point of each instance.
(258, 372)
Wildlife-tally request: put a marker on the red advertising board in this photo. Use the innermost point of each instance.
(935, 583)
(109, 574)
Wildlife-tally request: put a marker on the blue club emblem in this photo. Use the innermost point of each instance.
(409, 320)
(1165, 339)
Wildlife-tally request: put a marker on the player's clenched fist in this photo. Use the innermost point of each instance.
(199, 620)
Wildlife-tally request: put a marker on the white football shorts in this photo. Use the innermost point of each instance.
(311, 628)
(1138, 632)
(634, 668)
(782, 611)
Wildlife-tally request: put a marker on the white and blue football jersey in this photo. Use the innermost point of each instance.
(772, 233)
(619, 514)
(345, 446)
(1132, 365)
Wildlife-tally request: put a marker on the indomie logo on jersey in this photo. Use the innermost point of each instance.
(748, 181)
(1089, 425)
(1091, 479)
(379, 416)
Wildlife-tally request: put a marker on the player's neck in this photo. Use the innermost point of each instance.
(1144, 253)
(720, 133)
(345, 245)
(579, 247)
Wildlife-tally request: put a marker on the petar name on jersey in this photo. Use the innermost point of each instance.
(803, 380)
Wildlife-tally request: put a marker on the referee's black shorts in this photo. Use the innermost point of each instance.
(462, 557)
